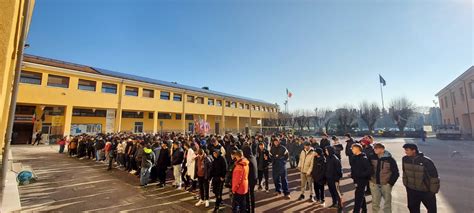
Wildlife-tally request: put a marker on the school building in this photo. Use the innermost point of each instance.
(61, 98)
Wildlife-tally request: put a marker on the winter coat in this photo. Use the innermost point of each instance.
(360, 168)
(240, 173)
(338, 148)
(279, 155)
(333, 165)
(318, 169)
(191, 163)
(148, 158)
(420, 173)
(261, 162)
(206, 166)
(164, 159)
(253, 169)
(384, 169)
(324, 143)
(306, 160)
(219, 167)
(177, 157)
(349, 144)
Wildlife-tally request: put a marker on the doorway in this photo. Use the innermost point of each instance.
(22, 133)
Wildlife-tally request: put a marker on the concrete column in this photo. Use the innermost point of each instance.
(155, 122)
(223, 117)
(238, 124)
(118, 120)
(67, 120)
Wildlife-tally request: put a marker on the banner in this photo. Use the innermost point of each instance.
(57, 121)
(110, 121)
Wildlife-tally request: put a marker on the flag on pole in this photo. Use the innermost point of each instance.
(33, 119)
(288, 93)
(382, 80)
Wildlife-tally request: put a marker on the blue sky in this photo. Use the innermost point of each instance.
(328, 53)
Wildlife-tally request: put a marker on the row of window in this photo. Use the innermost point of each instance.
(445, 102)
(87, 85)
(161, 115)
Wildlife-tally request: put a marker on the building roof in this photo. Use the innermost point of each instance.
(459, 78)
(105, 72)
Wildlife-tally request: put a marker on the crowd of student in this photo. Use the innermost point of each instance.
(200, 163)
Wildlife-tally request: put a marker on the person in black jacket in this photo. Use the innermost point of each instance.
(162, 163)
(218, 173)
(317, 172)
(337, 147)
(176, 161)
(360, 173)
(263, 161)
(349, 142)
(253, 171)
(324, 141)
(333, 174)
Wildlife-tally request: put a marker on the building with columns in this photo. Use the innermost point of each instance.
(456, 101)
(61, 98)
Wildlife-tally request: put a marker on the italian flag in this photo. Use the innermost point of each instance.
(288, 93)
(33, 119)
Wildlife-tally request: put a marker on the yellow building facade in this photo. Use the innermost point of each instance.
(61, 98)
(15, 18)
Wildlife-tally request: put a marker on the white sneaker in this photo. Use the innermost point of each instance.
(206, 203)
(200, 202)
(179, 187)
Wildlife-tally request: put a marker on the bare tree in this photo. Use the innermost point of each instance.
(346, 117)
(328, 117)
(369, 113)
(401, 109)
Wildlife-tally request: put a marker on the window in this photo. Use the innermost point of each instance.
(164, 95)
(247, 106)
(86, 85)
(138, 127)
(461, 92)
(258, 108)
(189, 117)
(200, 100)
(31, 77)
(54, 111)
(210, 102)
(109, 88)
(190, 99)
(253, 107)
(471, 88)
(58, 81)
(178, 116)
(150, 115)
(227, 104)
(446, 101)
(177, 97)
(241, 105)
(148, 93)
(456, 121)
(219, 103)
(89, 113)
(164, 115)
(233, 105)
(131, 91)
(128, 114)
(453, 97)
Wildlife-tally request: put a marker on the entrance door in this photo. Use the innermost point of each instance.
(138, 127)
(22, 133)
(217, 128)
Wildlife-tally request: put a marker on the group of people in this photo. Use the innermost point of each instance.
(200, 163)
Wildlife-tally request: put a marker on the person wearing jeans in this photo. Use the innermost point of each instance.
(318, 168)
(384, 175)
(279, 155)
(360, 173)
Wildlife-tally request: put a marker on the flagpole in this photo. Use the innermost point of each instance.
(381, 94)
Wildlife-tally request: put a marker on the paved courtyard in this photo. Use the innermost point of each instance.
(73, 185)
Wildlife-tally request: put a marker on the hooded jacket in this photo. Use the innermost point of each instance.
(384, 169)
(333, 165)
(420, 173)
(148, 158)
(240, 182)
(177, 157)
(219, 167)
(253, 169)
(318, 168)
(279, 155)
(261, 162)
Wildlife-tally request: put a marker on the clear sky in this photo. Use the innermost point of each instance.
(328, 53)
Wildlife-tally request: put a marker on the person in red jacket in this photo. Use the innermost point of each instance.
(240, 182)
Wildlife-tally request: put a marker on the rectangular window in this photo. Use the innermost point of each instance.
(129, 114)
(138, 127)
(54, 110)
(58, 81)
(471, 89)
(109, 88)
(150, 115)
(177, 116)
(233, 105)
(210, 102)
(89, 113)
(200, 100)
(164, 95)
(164, 115)
(219, 102)
(131, 91)
(247, 106)
(253, 107)
(227, 104)
(258, 108)
(453, 97)
(86, 85)
(241, 105)
(177, 97)
(461, 93)
(446, 101)
(31, 77)
(190, 99)
(148, 93)
(189, 117)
